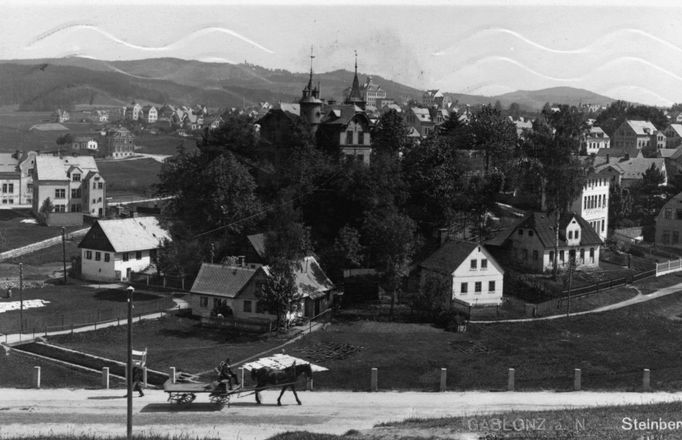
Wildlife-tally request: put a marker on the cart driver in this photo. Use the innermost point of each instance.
(225, 373)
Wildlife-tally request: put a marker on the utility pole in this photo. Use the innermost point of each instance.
(21, 298)
(64, 252)
(129, 366)
(570, 283)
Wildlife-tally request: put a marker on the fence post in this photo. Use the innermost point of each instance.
(510, 379)
(443, 379)
(309, 384)
(182, 283)
(144, 376)
(172, 374)
(164, 281)
(242, 376)
(36, 377)
(147, 280)
(374, 381)
(577, 379)
(646, 380)
(105, 377)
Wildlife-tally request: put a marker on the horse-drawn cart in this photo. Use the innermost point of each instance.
(278, 371)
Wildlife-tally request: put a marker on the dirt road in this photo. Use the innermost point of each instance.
(102, 412)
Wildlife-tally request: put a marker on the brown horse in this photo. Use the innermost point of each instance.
(267, 377)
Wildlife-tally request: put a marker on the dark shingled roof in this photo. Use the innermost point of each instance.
(543, 225)
(449, 256)
(220, 280)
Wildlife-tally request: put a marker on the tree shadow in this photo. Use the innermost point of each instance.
(175, 407)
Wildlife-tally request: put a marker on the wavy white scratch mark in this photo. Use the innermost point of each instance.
(585, 49)
(602, 66)
(75, 26)
(618, 91)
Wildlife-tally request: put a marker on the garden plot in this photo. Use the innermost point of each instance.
(28, 304)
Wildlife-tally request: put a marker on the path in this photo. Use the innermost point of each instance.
(637, 299)
(103, 412)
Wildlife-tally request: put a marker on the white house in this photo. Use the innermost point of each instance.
(113, 249)
(468, 270)
(593, 203)
(531, 243)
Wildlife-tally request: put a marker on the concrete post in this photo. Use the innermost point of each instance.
(374, 382)
(105, 378)
(577, 379)
(144, 376)
(172, 374)
(510, 380)
(443, 379)
(646, 380)
(36, 377)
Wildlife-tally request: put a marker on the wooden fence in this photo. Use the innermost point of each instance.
(669, 266)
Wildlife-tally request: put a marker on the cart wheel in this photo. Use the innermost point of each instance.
(220, 399)
(184, 398)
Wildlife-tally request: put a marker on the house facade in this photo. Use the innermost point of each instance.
(669, 223)
(72, 183)
(16, 179)
(593, 203)
(531, 243)
(467, 271)
(673, 134)
(347, 128)
(633, 135)
(119, 143)
(372, 93)
(84, 143)
(149, 114)
(420, 119)
(232, 290)
(113, 249)
(594, 140)
(132, 112)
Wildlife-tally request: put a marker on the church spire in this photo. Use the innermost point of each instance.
(355, 96)
(310, 80)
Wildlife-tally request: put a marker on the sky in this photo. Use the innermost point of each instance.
(629, 49)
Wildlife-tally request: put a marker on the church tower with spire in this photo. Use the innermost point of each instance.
(310, 103)
(355, 95)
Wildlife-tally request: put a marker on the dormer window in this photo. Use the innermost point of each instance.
(76, 177)
(577, 235)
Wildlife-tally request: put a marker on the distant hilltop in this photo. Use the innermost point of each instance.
(45, 84)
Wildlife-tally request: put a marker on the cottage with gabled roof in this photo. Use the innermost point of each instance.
(469, 271)
(232, 290)
(113, 249)
(531, 243)
(633, 135)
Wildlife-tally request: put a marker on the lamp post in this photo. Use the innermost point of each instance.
(129, 365)
(21, 298)
(64, 252)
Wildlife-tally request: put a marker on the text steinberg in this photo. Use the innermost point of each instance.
(630, 424)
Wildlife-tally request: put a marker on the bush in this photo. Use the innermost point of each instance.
(450, 319)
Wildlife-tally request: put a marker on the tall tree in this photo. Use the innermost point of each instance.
(493, 134)
(389, 135)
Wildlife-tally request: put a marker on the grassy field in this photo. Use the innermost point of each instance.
(132, 176)
(606, 423)
(14, 233)
(164, 144)
(52, 254)
(76, 304)
(172, 341)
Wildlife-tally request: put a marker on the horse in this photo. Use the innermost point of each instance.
(266, 376)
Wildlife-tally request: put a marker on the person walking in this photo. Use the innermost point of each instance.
(138, 380)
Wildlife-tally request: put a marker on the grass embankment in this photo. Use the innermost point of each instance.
(171, 341)
(14, 233)
(16, 371)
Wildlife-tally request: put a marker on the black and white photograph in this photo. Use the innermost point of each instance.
(340, 220)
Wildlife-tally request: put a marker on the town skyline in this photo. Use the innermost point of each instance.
(490, 49)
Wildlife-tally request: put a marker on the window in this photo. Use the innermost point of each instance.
(94, 185)
(602, 225)
(59, 208)
(520, 231)
(577, 235)
(570, 235)
(561, 256)
(491, 286)
(4, 187)
(138, 255)
(107, 257)
(551, 256)
(535, 255)
(125, 256)
(484, 264)
(678, 214)
(76, 177)
(530, 233)
(582, 254)
(477, 287)
(525, 254)
(247, 306)
(676, 237)
(349, 138)
(100, 185)
(76, 193)
(60, 193)
(76, 207)
(474, 264)
(98, 256)
(361, 137)
(464, 288)
(203, 301)
(88, 255)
